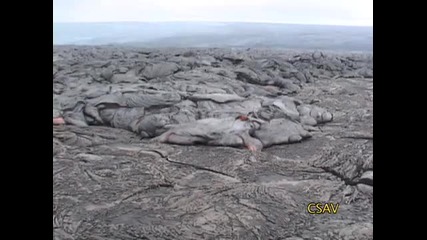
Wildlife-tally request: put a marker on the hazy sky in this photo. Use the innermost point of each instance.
(334, 12)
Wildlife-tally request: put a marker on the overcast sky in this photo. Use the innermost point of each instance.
(330, 12)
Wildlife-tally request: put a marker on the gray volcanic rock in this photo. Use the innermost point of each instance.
(213, 131)
(107, 74)
(280, 131)
(156, 141)
(159, 70)
(243, 85)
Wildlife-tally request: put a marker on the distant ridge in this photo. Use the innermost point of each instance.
(215, 34)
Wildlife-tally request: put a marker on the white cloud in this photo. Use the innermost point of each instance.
(339, 12)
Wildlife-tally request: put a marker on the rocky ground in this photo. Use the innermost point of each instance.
(211, 143)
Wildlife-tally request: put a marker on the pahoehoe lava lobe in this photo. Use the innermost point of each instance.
(149, 95)
(211, 143)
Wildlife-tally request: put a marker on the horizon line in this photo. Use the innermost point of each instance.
(193, 21)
